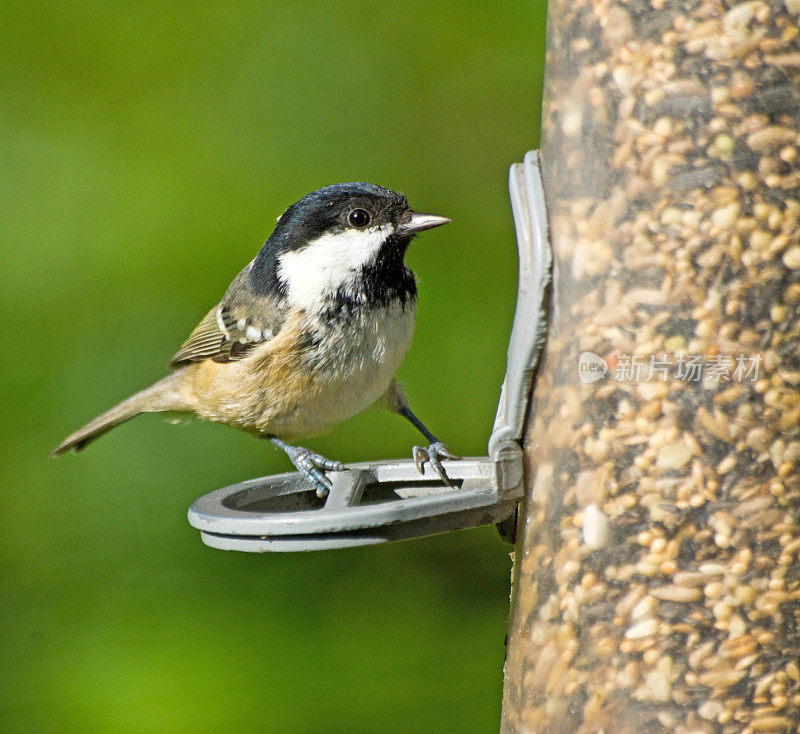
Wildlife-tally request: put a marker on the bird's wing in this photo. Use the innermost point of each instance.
(231, 329)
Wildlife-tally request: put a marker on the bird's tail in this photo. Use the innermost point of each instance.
(163, 395)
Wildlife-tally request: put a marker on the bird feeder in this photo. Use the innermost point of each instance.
(384, 501)
(656, 581)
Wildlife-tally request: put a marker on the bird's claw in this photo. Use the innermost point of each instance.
(433, 455)
(311, 466)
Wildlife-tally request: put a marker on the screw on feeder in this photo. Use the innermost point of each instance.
(386, 501)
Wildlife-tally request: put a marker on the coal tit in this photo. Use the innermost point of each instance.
(310, 333)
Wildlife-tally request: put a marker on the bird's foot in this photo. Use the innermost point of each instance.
(433, 455)
(311, 465)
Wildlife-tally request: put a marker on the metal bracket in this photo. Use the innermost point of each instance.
(389, 500)
(530, 318)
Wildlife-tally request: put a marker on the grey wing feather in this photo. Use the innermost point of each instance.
(231, 329)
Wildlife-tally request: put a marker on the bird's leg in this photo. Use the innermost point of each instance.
(434, 453)
(309, 464)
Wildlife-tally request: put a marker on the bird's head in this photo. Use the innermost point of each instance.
(335, 238)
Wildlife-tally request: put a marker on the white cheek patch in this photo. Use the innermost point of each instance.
(328, 263)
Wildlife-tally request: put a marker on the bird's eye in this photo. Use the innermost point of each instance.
(358, 218)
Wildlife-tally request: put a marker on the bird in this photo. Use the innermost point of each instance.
(310, 333)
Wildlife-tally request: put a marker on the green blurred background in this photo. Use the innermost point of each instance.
(147, 149)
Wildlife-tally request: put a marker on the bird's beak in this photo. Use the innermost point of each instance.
(421, 222)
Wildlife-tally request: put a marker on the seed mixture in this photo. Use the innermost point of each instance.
(657, 583)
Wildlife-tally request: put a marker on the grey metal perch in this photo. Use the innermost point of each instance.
(388, 500)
